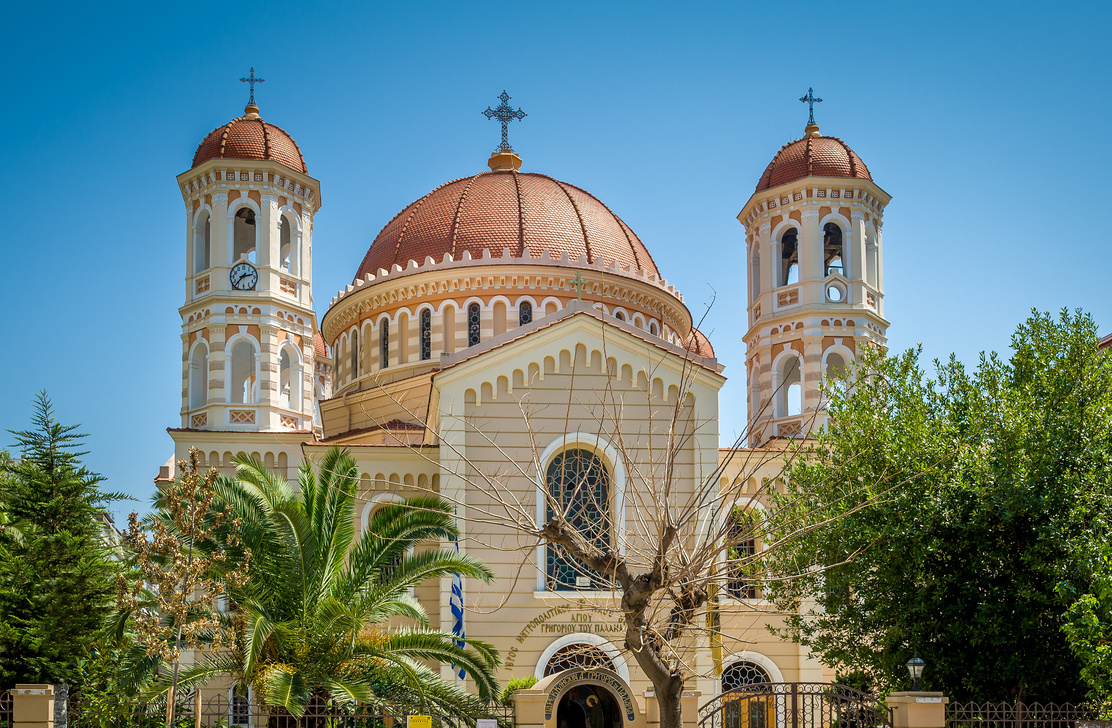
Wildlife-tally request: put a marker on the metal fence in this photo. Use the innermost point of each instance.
(5, 708)
(240, 712)
(1022, 715)
(794, 705)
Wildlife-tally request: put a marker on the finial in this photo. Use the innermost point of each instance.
(251, 110)
(812, 129)
(505, 114)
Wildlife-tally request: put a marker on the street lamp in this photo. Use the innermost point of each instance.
(915, 668)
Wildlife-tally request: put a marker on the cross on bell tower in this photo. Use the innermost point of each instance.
(252, 81)
(810, 100)
(505, 114)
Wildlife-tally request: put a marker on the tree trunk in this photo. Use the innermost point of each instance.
(669, 700)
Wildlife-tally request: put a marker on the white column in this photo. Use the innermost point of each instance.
(306, 252)
(769, 258)
(857, 261)
(266, 243)
(189, 252)
(810, 258)
(221, 251)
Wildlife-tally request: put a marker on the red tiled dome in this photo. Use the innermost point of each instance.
(698, 344)
(525, 212)
(812, 156)
(249, 137)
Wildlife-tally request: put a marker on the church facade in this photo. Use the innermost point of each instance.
(505, 327)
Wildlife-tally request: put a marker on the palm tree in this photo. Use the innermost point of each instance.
(317, 617)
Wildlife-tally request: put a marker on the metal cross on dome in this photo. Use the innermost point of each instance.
(505, 114)
(252, 80)
(578, 283)
(810, 100)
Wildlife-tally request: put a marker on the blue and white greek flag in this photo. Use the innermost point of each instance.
(456, 603)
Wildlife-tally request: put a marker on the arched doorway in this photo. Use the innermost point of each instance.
(588, 706)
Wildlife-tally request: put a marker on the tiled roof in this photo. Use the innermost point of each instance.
(698, 344)
(320, 347)
(1106, 342)
(812, 156)
(249, 137)
(525, 212)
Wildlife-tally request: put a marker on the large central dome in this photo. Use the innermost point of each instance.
(524, 212)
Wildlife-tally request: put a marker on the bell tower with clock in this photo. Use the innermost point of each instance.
(252, 359)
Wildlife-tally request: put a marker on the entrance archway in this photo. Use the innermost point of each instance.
(588, 706)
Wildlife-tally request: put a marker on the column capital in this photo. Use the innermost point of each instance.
(220, 198)
(856, 215)
(810, 216)
(766, 228)
(270, 201)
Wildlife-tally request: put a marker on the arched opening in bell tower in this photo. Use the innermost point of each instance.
(289, 379)
(243, 382)
(833, 255)
(198, 376)
(789, 390)
(789, 257)
(202, 242)
(285, 249)
(244, 235)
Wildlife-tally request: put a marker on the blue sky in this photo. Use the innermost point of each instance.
(986, 122)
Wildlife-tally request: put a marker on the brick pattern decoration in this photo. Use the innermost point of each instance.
(241, 417)
(202, 284)
(199, 420)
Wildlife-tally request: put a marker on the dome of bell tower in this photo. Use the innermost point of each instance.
(812, 156)
(250, 137)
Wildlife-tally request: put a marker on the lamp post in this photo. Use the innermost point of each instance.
(915, 668)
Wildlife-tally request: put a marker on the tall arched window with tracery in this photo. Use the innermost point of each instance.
(426, 334)
(384, 344)
(578, 656)
(741, 547)
(474, 323)
(354, 355)
(578, 485)
(524, 313)
(742, 674)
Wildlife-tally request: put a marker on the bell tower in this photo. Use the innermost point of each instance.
(249, 334)
(815, 280)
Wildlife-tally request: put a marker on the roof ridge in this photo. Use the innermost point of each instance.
(459, 207)
(520, 215)
(266, 139)
(578, 214)
(626, 230)
(304, 167)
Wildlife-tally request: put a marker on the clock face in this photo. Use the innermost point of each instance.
(243, 276)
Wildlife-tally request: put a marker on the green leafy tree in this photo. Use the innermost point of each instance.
(57, 569)
(976, 561)
(317, 617)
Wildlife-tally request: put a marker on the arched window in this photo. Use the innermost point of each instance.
(755, 276)
(524, 313)
(239, 708)
(384, 344)
(198, 377)
(832, 254)
(619, 315)
(244, 232)
(579, 487)
(742, 674)
(285, 243)
(202, 243)
(653, 329)
(871, 258)
(426, 334)
(354, 355)
(289, 380)
(789, 391)
(740, 549)
(243, 384)
(789, 257)
(578, 656)
(473, 324)
(836, 366)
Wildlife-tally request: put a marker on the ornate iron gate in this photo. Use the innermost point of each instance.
(794, 705)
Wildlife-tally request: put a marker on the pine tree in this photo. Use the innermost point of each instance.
(57, 577)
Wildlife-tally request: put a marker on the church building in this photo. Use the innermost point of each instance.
(504, 325)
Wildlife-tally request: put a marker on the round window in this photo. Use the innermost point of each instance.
(835, 293)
